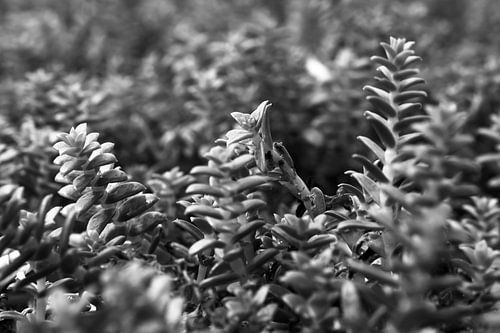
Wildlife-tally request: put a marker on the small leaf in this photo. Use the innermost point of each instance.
(260, 296)
(157, 235)
(61, 159)
(266, 313)
(45, 206)
(202, 224)
(244, 120)
(87, 200)
(292, 228)
(463, 191)
(260, 113)
(190, 228)
(409, 109)
(295, 302)
(489, 133)
(348, 188)
(69, 192)
(13, 265)
(219, 268)
(336, 215)
(389, 51)
(382, 128)
(103, 256)
(135, 206)
(218, 280)
(102, 159)
(278, 290)
(80, 138)
(81, 129)
(382, 105)
(384, 62)
(6, 192)
(372, 272)
(407, 122)
(410, 82)
(240, 162)
(71, 165)
(411, 60)
(235, 136)
(253, 204)
(182, 181)
(386, 84)
(299, 281)
(394, 193)
(203, 170)
(494, 182)
(147, 222)
(205, 244)
(112, 176)
(318, 241)
(236, 208)
(262, 258)
(205, 190)
(405, 74)
(233, 254)
(368, 185)
(247, 229)
(13, 315)
(89, 148)
(386, 73)
(123, 190)
(10, 215)
(61, 283)
(356, 224)
(409, 138)
(374, 171)
(318, 200)
(78, 240)
(66, 232)
(71, 151)
(401, 57)
(178, 250)
(63, 143)
(286, 237)
(99, 220)
(405, 96)
(106, 147)
(82, 181)
(488, 158)
(111, 230)
(247, 183)
(202, 210)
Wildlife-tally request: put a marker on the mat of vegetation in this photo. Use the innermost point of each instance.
(214, 166)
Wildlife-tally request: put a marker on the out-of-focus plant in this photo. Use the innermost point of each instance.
(53, 100)
(25, 160)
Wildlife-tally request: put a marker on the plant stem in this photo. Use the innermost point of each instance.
(40, 302)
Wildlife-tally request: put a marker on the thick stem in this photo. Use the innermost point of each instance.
(293, 182)
(40, 302)
(202, 272)
(248, 250)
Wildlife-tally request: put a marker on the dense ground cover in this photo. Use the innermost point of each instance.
(139, 192)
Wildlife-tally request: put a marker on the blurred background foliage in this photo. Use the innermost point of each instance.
(160, 77)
